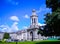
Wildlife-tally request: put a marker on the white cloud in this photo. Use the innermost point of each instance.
(26, 16)
(2, 25)
(41, 24)
(43, 9)
(14, 18)
(14, 27)
(15, 3)
(6, 28)
(25, 27)
(12, 2)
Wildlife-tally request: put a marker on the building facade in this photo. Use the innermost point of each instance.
(1, 35)
(29, 33)
(33, 29)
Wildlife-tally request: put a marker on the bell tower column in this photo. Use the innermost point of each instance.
(34, 18)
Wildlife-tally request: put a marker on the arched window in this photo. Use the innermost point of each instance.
(34, 20)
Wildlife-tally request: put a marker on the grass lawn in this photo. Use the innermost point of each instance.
(34, 42)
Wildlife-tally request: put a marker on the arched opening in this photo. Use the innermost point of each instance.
(31, 34)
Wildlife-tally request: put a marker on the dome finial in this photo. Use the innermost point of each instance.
(33, 10)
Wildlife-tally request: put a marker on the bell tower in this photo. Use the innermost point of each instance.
(34, 18)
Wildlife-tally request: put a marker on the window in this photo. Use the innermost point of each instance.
(34, 20)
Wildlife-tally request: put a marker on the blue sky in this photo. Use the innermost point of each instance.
(15, 14)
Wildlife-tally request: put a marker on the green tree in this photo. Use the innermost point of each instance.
(54, 4)
(52, 20)
(6, 36)
(40, 31)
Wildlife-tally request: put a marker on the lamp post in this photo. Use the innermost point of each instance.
(16, 42)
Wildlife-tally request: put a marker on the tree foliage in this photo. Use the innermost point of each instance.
(51, 25)
(52, 21)
(6, 35)
(54, 4)
(40, 32)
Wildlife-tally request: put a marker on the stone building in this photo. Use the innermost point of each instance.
(1, 35)
(32, 30)
(33, 27)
